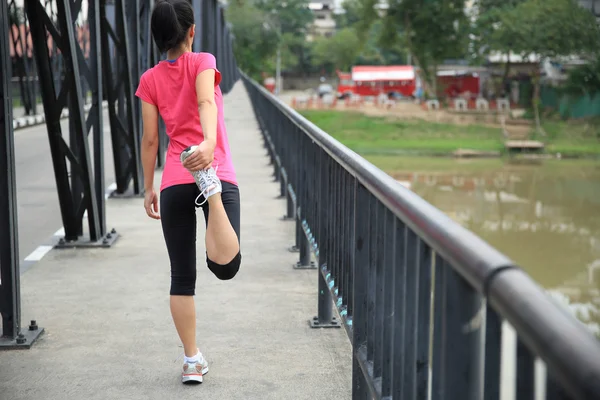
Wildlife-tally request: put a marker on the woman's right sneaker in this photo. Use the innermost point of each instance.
(194, 371)
(207, 180)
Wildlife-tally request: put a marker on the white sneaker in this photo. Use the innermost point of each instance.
(207, 180)
(193, 372)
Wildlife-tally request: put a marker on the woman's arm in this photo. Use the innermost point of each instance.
(149, 143)
(203, 157)
(207, 108)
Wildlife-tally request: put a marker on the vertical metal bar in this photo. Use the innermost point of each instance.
(423, 311)
(349, 194)
(77, 190)
(360, 287)
(379, 312)
(332, 239)
(299, 233)
(305, 249)
(400, 310)
(493, 343)
(198, 10)
(372, 210)
(10, 299)
(119, 93)
(96, 86)
(438, 377)
(340, 235)
(128, 71)
(325, 314)
(389, 238)
(554, 390)
(290, 211)
(282, 183)
(65, 18)
(462, 349)
(206, 23)
(525, 372)
(218, 35)
(411, 250)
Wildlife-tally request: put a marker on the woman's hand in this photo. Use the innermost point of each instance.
(202, 157)
(151, 204)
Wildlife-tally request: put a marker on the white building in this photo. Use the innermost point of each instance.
(324, 24)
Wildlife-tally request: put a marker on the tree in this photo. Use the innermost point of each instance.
(551, 29)
(488, 34)
(339, 51)
(368, 33)
(351, 16)
(583, 79)
(262, 26)
(291, 18)
(430, 30)
(253, 44)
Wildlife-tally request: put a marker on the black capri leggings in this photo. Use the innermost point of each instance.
(178, 218)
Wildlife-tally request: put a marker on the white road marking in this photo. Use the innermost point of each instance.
(38, 253)
(42, 250)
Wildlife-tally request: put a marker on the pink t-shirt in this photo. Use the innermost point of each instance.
(171, 86)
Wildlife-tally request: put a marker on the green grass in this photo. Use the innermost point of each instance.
(381, 135)
(366, 133)
(572, 138)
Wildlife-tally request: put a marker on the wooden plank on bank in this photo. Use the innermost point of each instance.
(523, 145)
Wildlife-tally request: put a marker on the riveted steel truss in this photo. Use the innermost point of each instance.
(79, 179)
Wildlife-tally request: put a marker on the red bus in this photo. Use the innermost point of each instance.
(369, 80)
(374, 80)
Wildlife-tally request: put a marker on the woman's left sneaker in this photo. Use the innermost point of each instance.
(194, 371)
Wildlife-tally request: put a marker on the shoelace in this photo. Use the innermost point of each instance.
(210, 180)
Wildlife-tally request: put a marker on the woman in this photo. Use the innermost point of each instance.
(184, 90)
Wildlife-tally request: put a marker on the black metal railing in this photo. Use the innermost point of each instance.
(423, 300)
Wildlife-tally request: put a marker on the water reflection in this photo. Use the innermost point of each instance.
(543, 215)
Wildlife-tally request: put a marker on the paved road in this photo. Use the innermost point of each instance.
(38, 210)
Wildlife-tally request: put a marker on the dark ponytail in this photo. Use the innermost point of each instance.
(171, 20)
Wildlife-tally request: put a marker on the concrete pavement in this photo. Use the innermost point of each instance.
(109, 333)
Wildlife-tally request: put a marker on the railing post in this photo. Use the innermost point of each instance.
(304, 246)
(324, 318)
(282, 183)
(290, 213)
(277, 169)
(298, 239)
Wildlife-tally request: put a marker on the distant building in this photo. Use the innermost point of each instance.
(324, 24)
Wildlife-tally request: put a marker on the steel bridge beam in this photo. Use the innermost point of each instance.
(10, 300)
(120, 68)
(23, 64)
(80, 187)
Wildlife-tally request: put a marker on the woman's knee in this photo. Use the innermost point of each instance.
(227, 271)
(183, 285)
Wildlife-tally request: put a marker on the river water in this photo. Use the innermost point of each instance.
(543, 214)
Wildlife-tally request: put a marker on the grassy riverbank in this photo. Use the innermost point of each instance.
(369, 134)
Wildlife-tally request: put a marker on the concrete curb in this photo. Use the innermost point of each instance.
(32, 120)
